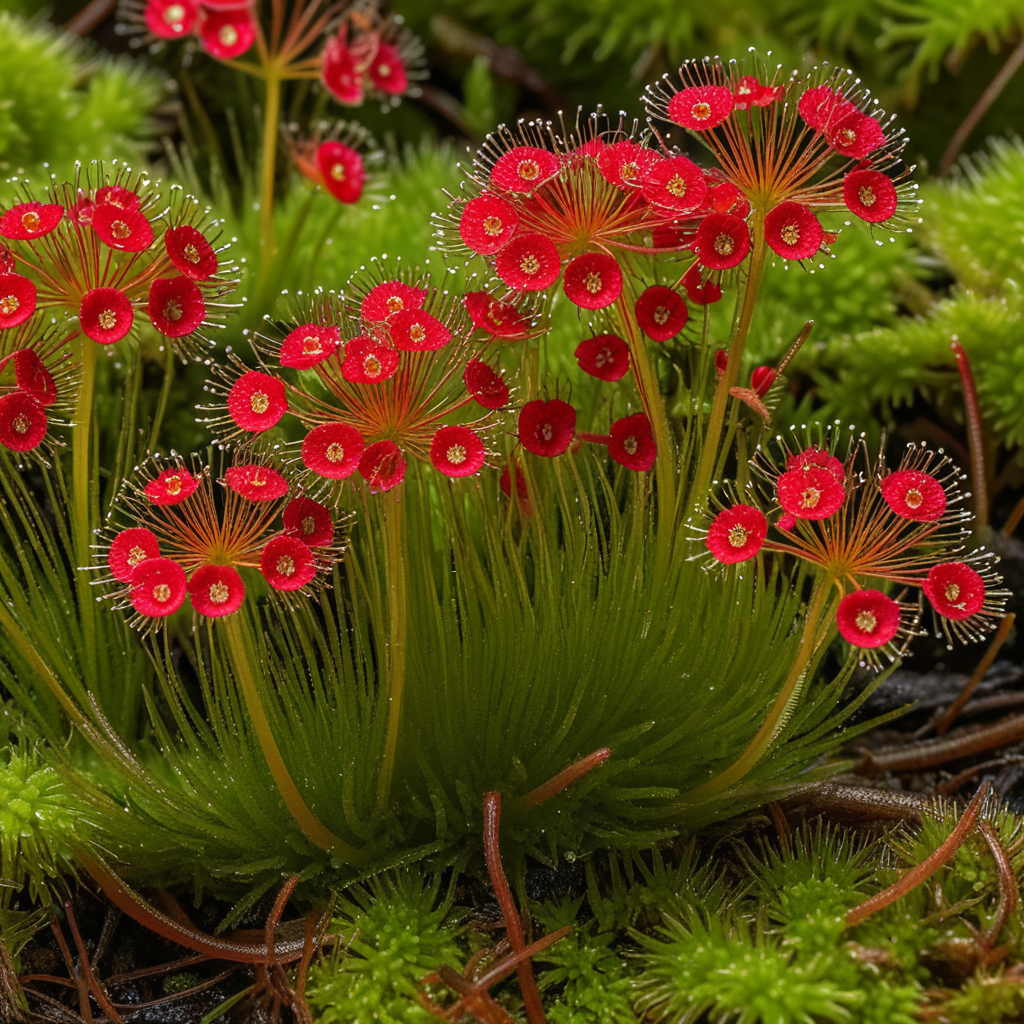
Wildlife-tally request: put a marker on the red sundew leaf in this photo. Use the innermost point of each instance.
(216, 590)
(190, 251)
(529, 263)
(117, 196)
(505, 483)
(33, 377)
(725, 197)
(414, 330)
(308, 345)
(343, 170)
(547, 428)
(701, 107)
(675, 184)
(17, 300)
(457, 451)
(333, 450)
(225, 35)
(106, 315)
(593, 280)
(626, 164)
(955, 590)
(487, 223)
(485, 385)
(631, 443)
(737, 533)
(171, 486)
(30, 220)
(257, 401)
(382, 466)
(868, 618)
(818, 457)
(855, 135)
(387, 70)
(792, 231)
(129, 549)
(722, 241)
(762, 379)
(914, 495)
(176, 306)
(287, 563)
(158, 587)
(22, 422)
(390, 297)
(821, 105)
(749, 92)
(340, 73)
(171, 19)
(498, 318)
(126, 230)
(810, 492)
(309, 521)
(870, 195)
(368, 361)
(661, 312)
(256, 483)
(524, 169)
(605, 357)
(700, 294)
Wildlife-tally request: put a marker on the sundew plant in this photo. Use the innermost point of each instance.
(416, 573)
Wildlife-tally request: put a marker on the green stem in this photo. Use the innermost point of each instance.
(243, 658)
(709, 453)
(654, 408)
(161, 407)
(82, 502)
(271, 128)
(809, 643)
(394, 568)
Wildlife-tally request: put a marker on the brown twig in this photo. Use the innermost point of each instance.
(1008, 894)
(950, 786)
(859, 803)
(981, 107)
(563, 780)
(73, 973)
(917, 874)
(513, 923)
(90, 17)
(1005, 625)
(931, 753)
(781, 825)
(86, 968)
(975, 438)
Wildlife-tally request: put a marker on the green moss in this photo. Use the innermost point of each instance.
(59, 103)
(37, 821)
(393, 934)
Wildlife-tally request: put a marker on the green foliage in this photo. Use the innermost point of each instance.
(392, 934)
(38, 819)
(590, 977)
(975, 222)
(944, 30)
(62, 104)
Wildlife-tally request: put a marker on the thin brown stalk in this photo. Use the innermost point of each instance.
(1008, 894)
(981, 107)
(513, 923)
(563, 780)
(917, 874)
(975, 437)
(1005, 625)
(932, 753)
(86, 968)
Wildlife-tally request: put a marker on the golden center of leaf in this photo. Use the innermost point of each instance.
(396, 304)
(338, 172)
(285, 565)
(456, 455)
(592, 282)
(308, 526)
(259, 402)
(9, 304)
(738, 536)
(913, 498)
(790, 234)
(866, 195)
(661, 315)
(119, 229)
(724, 244)
(528, 170)
(335, 452)
(136, 555)
(107, 319)
(492, 226)
(952, 592)
(191, 253)
(529, 264)
(162, 593)
(676, 186)
(173, 311)
(21, 424)
(701, 111)
(219, 592)
(866, 622)
(30, 221)
(810, 498)
(173, 484)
